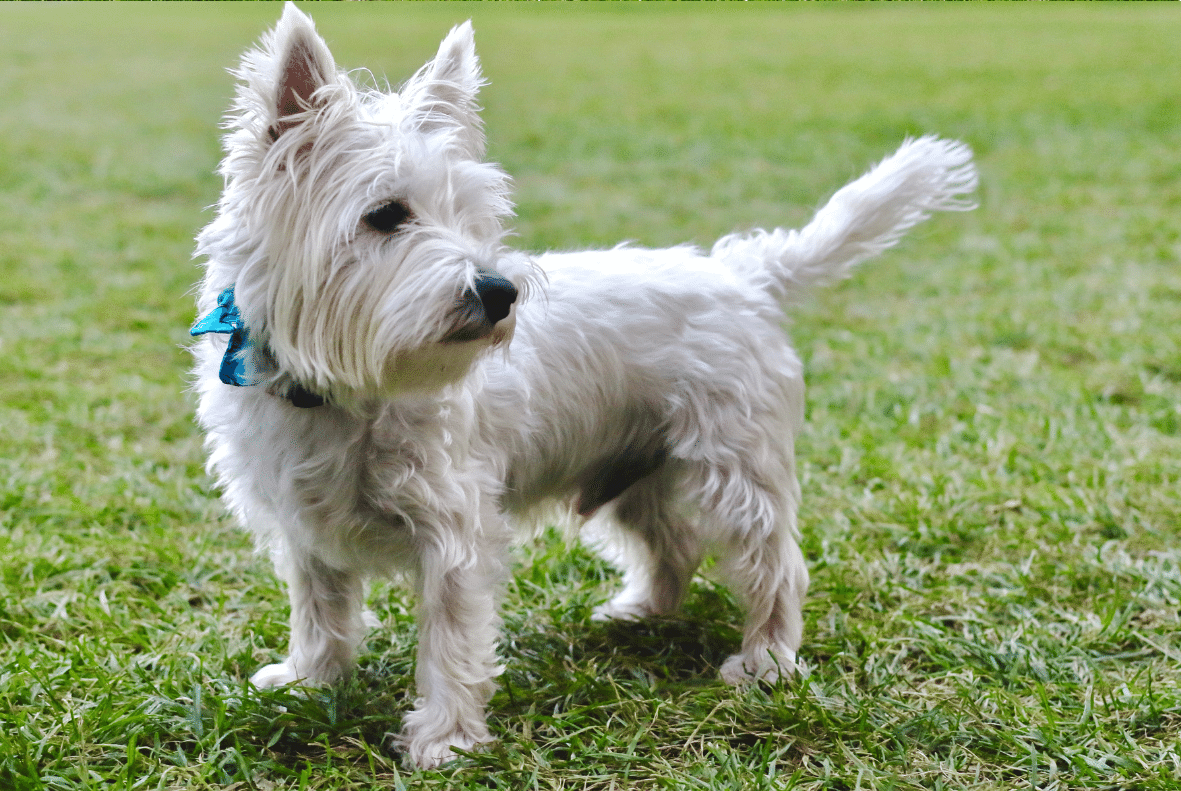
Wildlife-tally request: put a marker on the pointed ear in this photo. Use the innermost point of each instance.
(304, 65)
(444, 90)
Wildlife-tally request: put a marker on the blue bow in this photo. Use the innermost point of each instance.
(227, 319)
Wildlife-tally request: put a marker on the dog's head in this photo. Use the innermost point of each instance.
(362, 230)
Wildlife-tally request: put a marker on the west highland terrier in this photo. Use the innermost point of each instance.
(385, 384)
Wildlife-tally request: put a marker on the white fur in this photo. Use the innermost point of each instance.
(670, 362)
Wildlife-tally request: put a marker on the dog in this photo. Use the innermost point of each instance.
(385, 384)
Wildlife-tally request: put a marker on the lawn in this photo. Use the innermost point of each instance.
(990, 469)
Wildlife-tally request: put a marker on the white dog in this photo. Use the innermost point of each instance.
(384, 383)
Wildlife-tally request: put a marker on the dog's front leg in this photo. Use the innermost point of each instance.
(327, 623)
(459, 587)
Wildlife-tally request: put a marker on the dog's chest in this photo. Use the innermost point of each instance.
(412, 468)
(371, 484)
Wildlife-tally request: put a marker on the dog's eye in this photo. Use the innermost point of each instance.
(388, 218)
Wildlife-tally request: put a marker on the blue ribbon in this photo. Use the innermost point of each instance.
(226, 319)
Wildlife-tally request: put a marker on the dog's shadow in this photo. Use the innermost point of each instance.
(580, 655)
(558, 660)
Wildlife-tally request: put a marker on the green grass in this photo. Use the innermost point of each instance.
(990, 468)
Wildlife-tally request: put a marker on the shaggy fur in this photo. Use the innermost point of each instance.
(466, 383)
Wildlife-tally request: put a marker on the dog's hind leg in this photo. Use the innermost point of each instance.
(755, 523)
(327, 623)
(656, 549)
(771, 578)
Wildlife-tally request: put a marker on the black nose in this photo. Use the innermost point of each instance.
(496, 295)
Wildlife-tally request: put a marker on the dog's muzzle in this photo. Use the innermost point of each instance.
(488, 301)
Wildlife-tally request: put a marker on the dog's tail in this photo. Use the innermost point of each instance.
(861, 220)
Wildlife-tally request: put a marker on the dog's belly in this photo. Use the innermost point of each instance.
(612, 475)
(592, 473)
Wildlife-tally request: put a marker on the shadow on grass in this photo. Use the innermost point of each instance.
(579, 671)
(688, 648)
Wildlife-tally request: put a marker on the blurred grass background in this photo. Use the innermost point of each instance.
(990, 470)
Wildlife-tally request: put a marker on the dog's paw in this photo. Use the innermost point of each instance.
(766, 665)
(617, 610)
(276, 675)
(433, 753)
